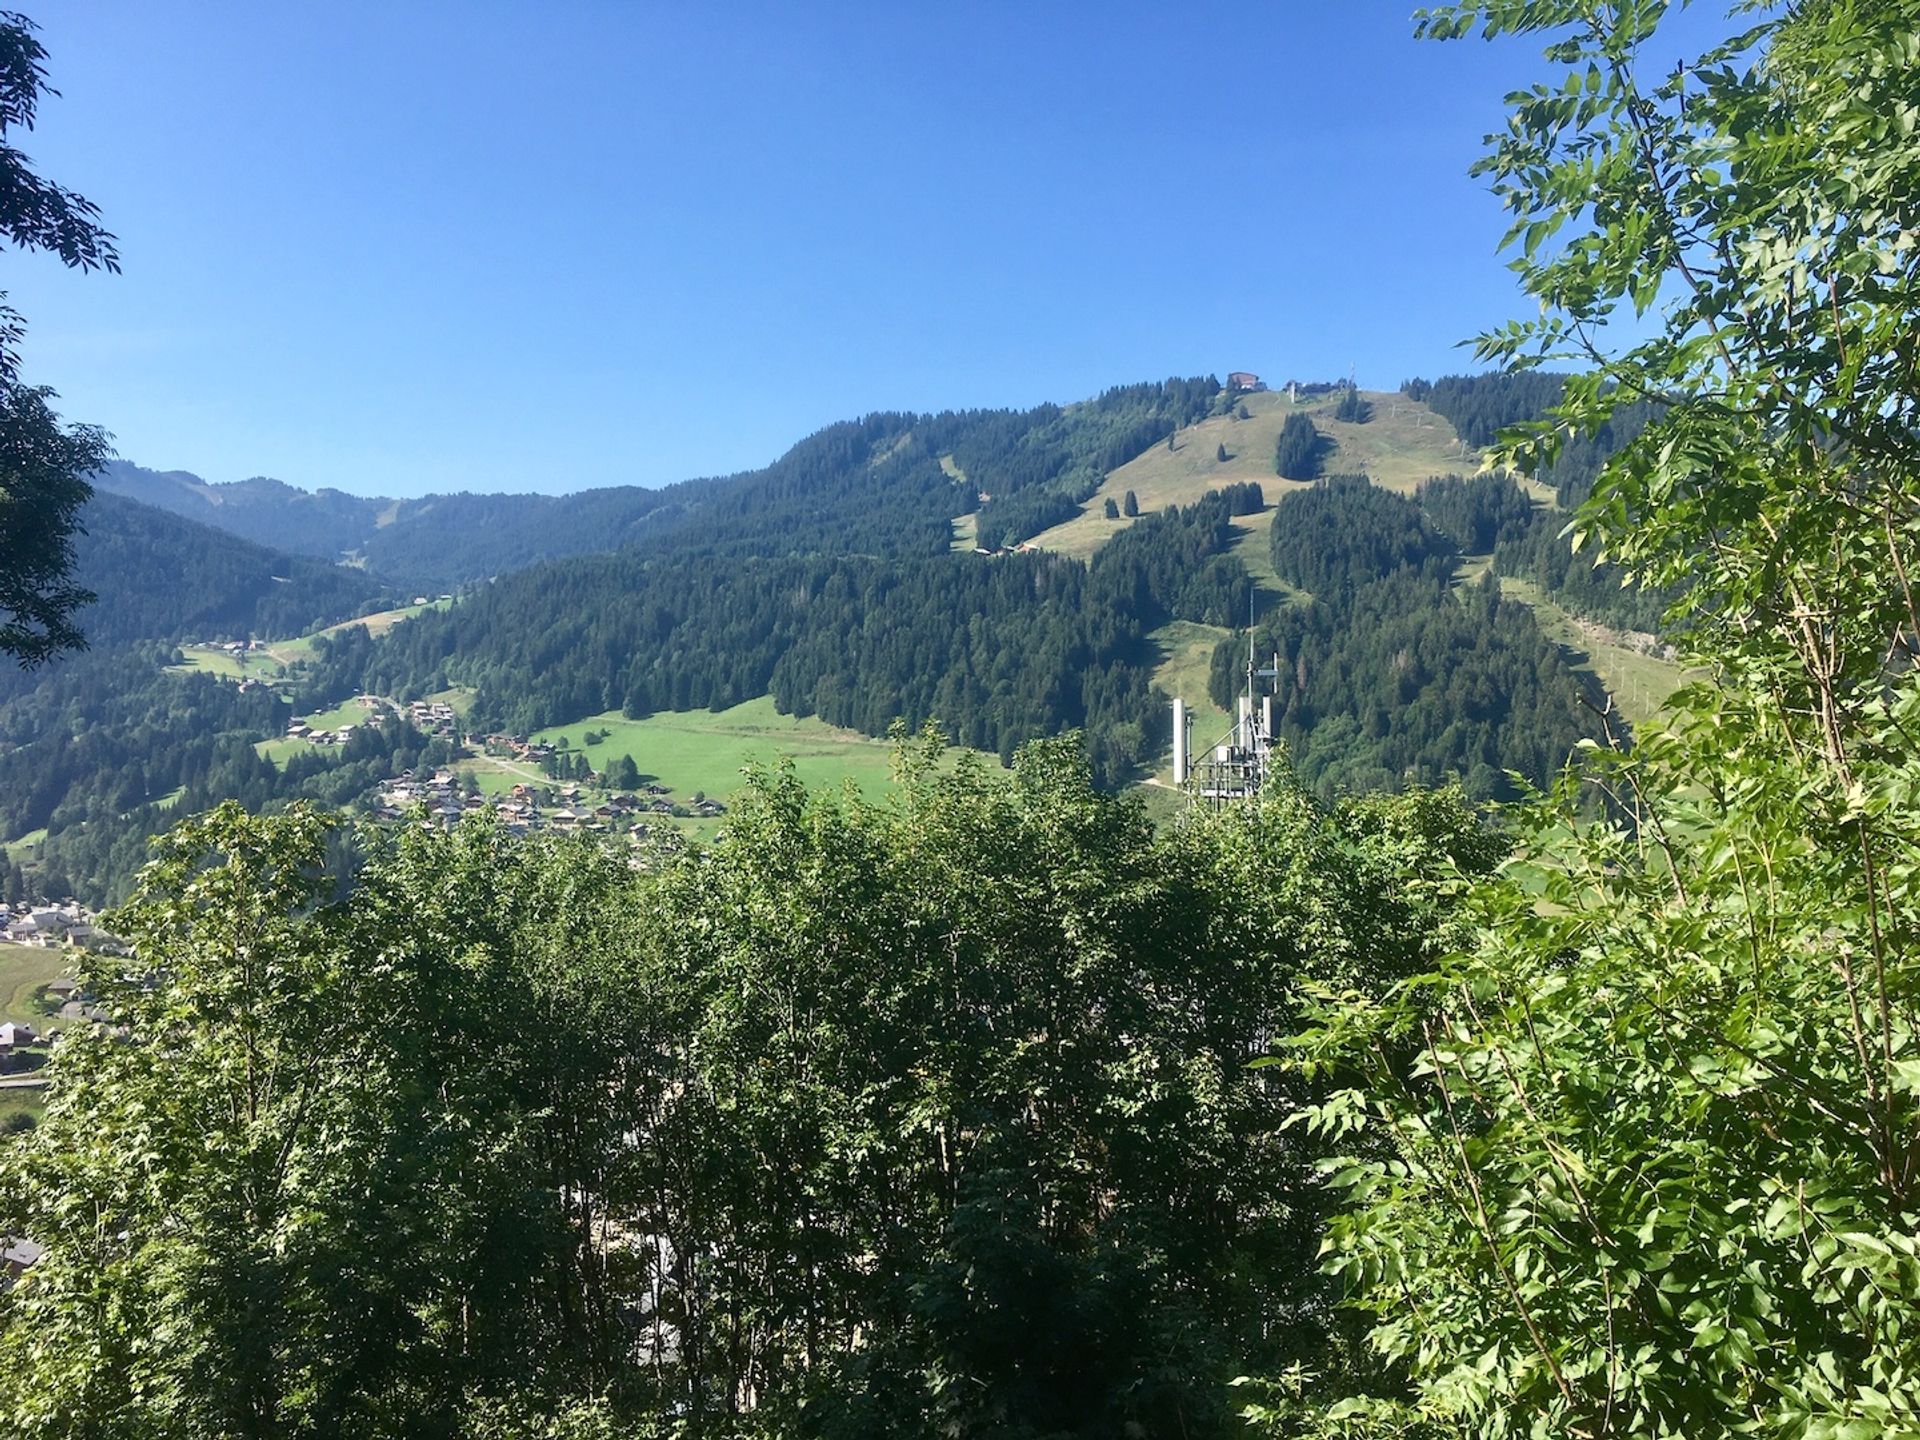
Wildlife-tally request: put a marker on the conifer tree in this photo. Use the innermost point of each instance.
(1297, 451)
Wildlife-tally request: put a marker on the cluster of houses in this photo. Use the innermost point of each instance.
(47, 925)
(526, 807)
(430, 717)
(433, 717)
(530, 807)
(440, 792)
(515, 747)
(300, 730)
(15, 1038)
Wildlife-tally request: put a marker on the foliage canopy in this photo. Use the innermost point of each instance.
(1642, 1157)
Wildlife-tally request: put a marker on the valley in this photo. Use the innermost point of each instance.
(620, 906)
(793, 613)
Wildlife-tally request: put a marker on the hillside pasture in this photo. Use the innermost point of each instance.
(1186, 664)
(20, 1102)
(1403, 444)
(211, 660)
(706, 751)
(22, 847)
(380, 622)
(347, 712)
(23, 970)
(1638, 682)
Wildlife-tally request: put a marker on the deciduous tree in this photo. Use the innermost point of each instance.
(1644, 1158)
(43, 464)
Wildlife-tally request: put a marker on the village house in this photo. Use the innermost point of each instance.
(16, 1258)
(47, 925)
(1244, 380)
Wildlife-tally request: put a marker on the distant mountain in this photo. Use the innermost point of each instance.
(434, 542)
(886, 484)
(161, 577)
(842, 580)
(323, 523)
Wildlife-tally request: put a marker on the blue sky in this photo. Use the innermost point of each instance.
(406, 247)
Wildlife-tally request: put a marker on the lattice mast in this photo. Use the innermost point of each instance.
(1236, 767)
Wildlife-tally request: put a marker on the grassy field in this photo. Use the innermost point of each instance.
(23, 970)
(20, 1102)
(254, 665)
(347, 712)
(1402, 445)
(22, 848)
(1164, 803)
(378, 623)
(283, 747)
(1186, 660)
(382, 621)
(1639, 683)
(460, 698)
(704, 750)
(273, 662)
(495, 776)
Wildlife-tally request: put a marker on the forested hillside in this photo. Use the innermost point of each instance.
(1533, 544)
(828, 582)
(157, 577)
(1387, 675)
(95, 748)
(998, 650)
(872, 486)
(323, 523)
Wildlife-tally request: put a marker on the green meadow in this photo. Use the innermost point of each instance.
(707, 750)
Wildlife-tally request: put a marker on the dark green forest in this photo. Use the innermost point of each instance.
(1346, 531)
(1300, 450)
(1480, 407)
(91, 745)
(1387, 675)
(159, 578)
(871, 487)
(1000, 651)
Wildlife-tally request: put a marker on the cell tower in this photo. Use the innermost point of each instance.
(1236, 767)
